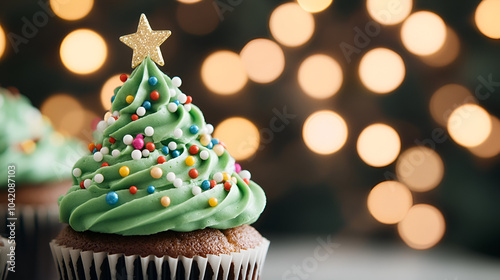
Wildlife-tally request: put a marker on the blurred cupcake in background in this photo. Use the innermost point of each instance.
(35, 161)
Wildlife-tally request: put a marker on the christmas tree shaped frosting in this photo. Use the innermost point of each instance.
(155, 167)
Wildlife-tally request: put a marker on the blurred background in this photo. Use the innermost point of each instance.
(371, 120)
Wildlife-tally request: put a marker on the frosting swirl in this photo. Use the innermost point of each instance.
(157, 167)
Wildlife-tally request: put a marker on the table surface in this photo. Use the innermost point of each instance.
(320, 258)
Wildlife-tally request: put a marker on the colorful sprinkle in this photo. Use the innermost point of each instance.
(246, 181)
(172, 92)
(82, 185)
(218, 149)
(132, 190)
(175, 153)
(150, 146)
(189, 99)
(210, 145)
(77, 172)
(205, 185)
(205, 139)
(112, 198)
(182, 98)
(149, 131)
(87, 183)
(194, 149)
(138, 143)
(134, 117)
(187, 107)
(98, 156)
(129, 99)
(156, 172)
(154, 95)
(172, 145)
(124, 171)
(115, 153)
(172, 107)
(190, 161)
(170, 176)
(91, 147)
(178, 182)
(113, 98)
(177, 102)
(127, 139)
(112, 140)
(218, 177)
(215, 141)
(136, 154)
(210, 128)
(178, 133)
(226, 177)
(227, 186)
(204, 155)
(213, 202)
(104, 164)
(213, 183)
(145, 153)
(165, 201)
(98, 147)
(234, 180)
(98, 178)
(153, 81)
(147, 105)
(94, 151)
(165, 150)
(194, 129)
(161, 159)
(237, 168)
(141, 111)
(151, 189)
(176, 81)
(196, 190)
(245, 174)
(123, 77)
(193, 173)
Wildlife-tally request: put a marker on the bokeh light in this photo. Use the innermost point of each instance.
(107, 90)
(381, 70)
(290, 25)
(420, 168)
(423, 33)
(324, 132)
(491, 146)
(223, 72)
(314, 6)
(2, 41)
(487, 19)
(469, 125)
(423, 227)
(389, 12)
(198, 18)
(446, 99)
(263, 59)
(240, 135)
(320, 76)
(71, 9)
(447, 53)
(189, 1)
(378, 145)
(83, 51)
(65, 113)
(389, 201)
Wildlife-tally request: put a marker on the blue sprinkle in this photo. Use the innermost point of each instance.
(113, 98)
(194, 129)
(205, 185)
(177, 102)
(151, 189)
(165, 150)
(117, 89)
(215, 141)
(175, 153)
(147, 105)
(94, 151)
(210, 145)
(153, 81)
(112, 198)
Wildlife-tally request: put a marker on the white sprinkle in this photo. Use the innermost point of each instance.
(172, 146)
(127, 139)
(145, 153)
(141, 111)
(98, 156)
(218, 177)
(136, 154)
(170, 176)
(172, 92)
(149, 131)
(172, 107)
(176, 81)
(98, 178)
(77, 172)
(111, 120)
(245, 174)
(101, 126)
(116, 114)
(177, 133)
(204, 155)
(115, 153)
(104, 150)
(87, 183)
(182, 98)
(187, 107)
(210, 128)
(178, 182)
(196, 190)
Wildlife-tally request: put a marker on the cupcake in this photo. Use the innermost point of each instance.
(160, 198)
(36, 163)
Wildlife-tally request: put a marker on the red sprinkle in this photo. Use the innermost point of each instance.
(154, 95)
(193, 173)
(246, 181)
(112, 140)
(104, 164)
(123, 77)
(150, 146)
(189, 99)
(115, 118)
(98, 147)
(132, 189)
(227, 186)
(222, 144)
(91, 147)
(161, 159)
(134, 117)
(81, 185)
(212, 184)
(194, 149)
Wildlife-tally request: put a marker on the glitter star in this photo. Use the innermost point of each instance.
(146, 42)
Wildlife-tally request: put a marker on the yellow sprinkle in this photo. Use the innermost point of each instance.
(226, 177)
(213, 202)
(190, 161)
(205, 139)
(28, 146)
(129, 99)
(156, 172)
(124, 171)
(165, 201)
(218, 149)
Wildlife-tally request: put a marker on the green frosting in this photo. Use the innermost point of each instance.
(85, 206)
(28, 141)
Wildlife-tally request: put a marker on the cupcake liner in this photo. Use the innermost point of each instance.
(78, 264)
(4, 251)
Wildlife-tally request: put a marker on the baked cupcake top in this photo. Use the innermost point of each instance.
(155, 167)
(28, 141)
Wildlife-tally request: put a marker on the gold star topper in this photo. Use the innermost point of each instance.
(146, 42)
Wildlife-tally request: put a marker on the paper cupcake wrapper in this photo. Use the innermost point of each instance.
(4, 250)
(85, 265)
